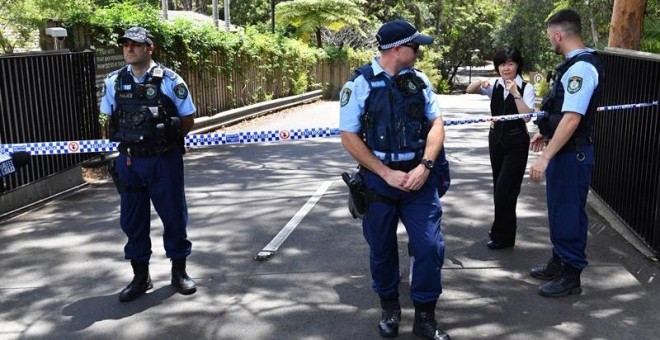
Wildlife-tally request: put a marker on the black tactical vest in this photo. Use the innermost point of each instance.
(394, 119)
(554, 101)
(145, 120)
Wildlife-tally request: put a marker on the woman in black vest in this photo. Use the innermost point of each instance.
(508, 141)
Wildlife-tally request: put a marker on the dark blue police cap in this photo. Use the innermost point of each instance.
(138, 35)
(398, 32)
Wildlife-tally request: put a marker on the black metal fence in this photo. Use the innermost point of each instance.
(627, 171)
(47, 97)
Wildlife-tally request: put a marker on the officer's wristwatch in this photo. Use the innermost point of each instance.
(427, 163)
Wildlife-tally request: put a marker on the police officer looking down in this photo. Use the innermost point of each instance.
(568, 158)
(508, 141)
(391, 124)
(150, 113)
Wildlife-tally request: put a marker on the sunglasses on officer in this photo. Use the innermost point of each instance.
(415, 47)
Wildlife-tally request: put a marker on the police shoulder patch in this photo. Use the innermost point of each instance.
(345, 96)
(574, 84)
(181, 91)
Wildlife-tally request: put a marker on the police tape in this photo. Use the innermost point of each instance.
(201, 140)
(626, 106)
(211, 139)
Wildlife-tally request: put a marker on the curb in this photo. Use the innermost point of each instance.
(206, 124)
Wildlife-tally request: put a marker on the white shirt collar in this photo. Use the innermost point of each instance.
(151, 66)
(575, 52)
(375, 66)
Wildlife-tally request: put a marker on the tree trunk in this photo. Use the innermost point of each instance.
(319, 41)
(594, 32)
(438, 17)
(419, 21)
(627, 24)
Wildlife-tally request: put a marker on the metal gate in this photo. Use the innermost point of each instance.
(47, 97)
(627, 142)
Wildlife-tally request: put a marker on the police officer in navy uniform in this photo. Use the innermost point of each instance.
(508, 141)
(150, 113)
(391, 124)
(568, 158)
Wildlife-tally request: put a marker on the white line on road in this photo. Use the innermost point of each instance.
(277, 241)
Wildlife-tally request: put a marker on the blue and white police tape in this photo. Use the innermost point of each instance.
(105, 145)
(449, 122)
(626, 106)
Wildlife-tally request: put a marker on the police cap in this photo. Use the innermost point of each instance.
(398, 32)
(138, 35)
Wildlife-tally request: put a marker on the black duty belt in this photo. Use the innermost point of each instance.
(404, 166)
(145, 152)
(576, 142)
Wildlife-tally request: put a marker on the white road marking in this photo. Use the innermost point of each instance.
(277, 241)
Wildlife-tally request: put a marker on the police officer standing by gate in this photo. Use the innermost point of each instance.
(568, 158)
(150, 113)
(391, 124)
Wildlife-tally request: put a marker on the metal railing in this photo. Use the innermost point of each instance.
(627, 172)
(47, 97)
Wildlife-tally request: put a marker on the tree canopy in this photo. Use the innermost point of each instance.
(460, 27)
(312, 16)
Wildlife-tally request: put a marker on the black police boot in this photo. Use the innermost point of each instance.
(425, 325)
(388, 325)
(180, 279)
(140, 284)
(548, 271)
(567, 282)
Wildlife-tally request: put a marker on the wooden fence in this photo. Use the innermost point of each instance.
(214, 92)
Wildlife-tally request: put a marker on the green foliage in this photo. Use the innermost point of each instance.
(249, 12)
(310, 16)
(348, 55)
(382, 10)
(427, 64)
(524, 28)
(182, 44)
(596, 16)
(104, 119)
(68, 10)
(542, 88)
(463, 27)
(19, 17)
(108, 23)
(443, 86)
(651, 38)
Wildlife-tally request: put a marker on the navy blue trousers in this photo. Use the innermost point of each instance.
(421, 213)
(568, 177)
(163, 178)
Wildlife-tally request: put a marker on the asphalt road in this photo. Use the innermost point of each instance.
(63, 265)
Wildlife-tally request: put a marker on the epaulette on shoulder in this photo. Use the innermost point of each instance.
(167, 72)
(364, 70)
(115, 72)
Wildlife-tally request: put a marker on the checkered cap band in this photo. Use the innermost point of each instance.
(400, 42)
